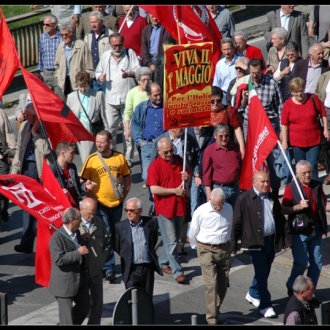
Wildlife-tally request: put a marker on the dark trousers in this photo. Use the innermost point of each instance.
(141, 275)
(69, 315)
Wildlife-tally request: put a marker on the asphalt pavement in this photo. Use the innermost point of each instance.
(174, 303)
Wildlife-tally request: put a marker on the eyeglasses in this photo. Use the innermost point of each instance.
(65, 34)
(145, 80)
(307, 172)
(239, 69)
(290, 54)
(223, 136)
(48, 24)
(298, 93)
(90, 213)
(117, 46)
(166, 152)
(131, 210)
(216, 101)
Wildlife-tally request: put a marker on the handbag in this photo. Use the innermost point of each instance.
(117, 187)
(95, 127)
(301, 220)
(318, 115)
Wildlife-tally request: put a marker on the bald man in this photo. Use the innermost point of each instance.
(259, 221)
(96, 237)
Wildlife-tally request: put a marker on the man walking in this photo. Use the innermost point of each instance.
(307, 241)
(109, 207)
(259, 221)
(210, 232)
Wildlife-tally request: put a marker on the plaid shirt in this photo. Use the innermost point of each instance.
(47, 50)
(270, 97)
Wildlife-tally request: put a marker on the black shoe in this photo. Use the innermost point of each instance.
(183, 253)
(315, 302)
(20, 248)
(290, 291)
(110, 277)
(4, 216)
(152, 211)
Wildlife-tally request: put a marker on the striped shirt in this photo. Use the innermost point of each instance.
(139, 246)
(47, 50)
(270, 97)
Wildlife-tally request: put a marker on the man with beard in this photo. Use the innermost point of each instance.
(117, 68)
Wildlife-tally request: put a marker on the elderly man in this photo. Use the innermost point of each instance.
(72, 56)
(98, 42)
(109, 21)
(222, 163)
(117, 68)
(306, 238)
(135, 240)
(68, 278)
(132, 28)
(167, 180)
(225, 69)
(48, 44)
(210, 232)
(31, 148)
(298, 310)
(146, 125)
(109, 207)
(311, 69)
(293, 21)
(259, 222)
(95, 236)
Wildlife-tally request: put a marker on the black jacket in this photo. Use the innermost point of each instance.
(307, 315)
(122, 241)
(248, 222)
(300, 69)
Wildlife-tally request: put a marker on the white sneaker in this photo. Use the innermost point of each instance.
(253, 301)
(268, 312)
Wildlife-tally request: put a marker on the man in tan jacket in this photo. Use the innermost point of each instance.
(72, 56)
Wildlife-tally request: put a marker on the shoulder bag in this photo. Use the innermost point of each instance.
(117, 187)
(97, 126)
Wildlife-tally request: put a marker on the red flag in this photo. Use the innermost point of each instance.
(44, 232)
(32, 197)
(8, 56)
(60, 122)
(238, 98)
(195, 25)
(261, 139)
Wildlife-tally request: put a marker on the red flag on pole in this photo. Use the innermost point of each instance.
(195, 22)
(60, 122)
(261, 139)
(8, 60)
(33, 198)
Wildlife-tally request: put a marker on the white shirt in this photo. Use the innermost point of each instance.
(209, 226)
(129, 22)
(72, 235)
(116, 86)
(327, 95)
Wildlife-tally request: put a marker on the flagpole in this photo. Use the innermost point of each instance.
(67, 236)
(122, 24)
(184, 153)
(290, 168)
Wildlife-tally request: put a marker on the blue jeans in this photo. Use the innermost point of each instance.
(262, 263)
(231, 194)
(275, 181)
(145, 159)
(311, 154)
(110, 216)
(170, 230)
(194, 200)
(307, 249)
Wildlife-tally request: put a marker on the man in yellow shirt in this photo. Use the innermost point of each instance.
(109, 208)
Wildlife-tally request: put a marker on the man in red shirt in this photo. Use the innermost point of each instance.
(168, 184)
(131, 28)
(221, 165)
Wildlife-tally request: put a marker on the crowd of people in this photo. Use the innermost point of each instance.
(108, 66)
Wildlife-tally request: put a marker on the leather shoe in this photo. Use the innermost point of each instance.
(327, 180)
(152, 211)
(21, 248)
(167, 270)
(320, 167)
(110, 277)
(180, 279)
(5, 216)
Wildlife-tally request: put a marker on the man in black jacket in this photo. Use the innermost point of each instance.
(259, 221)
(298, 310)
(135, 240)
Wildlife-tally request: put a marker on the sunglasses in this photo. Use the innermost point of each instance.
(131, 210)
(64, 34)
(48, 25)
(223, 136)
(168, 151)
(216, 101)
(238, 68)
(145, 80)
